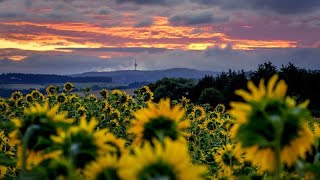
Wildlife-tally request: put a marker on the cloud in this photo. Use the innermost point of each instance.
(152, 2)
(146, 22)
(195, 18)
(279, 6)
(120, 49)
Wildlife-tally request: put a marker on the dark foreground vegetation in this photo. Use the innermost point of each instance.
(303, 84)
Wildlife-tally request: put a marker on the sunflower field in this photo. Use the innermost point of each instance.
(62, 135)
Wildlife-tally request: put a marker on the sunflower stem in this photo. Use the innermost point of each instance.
(279, 131)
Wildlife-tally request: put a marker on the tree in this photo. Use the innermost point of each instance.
(173, 88)
(211, 96)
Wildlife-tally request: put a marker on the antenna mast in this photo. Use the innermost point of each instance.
(135, 64)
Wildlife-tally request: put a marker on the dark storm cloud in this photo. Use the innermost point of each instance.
(195, 18)
(279, 6)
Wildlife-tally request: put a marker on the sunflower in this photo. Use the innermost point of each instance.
(34, 158)
(29, 98)
(92, 98)
(62, 98)
(210, 125)
(148, 96)
(198, 112)
(3, 107)
(229, 156)
(68, 87)
(117, 145)
(19, 103)
(220, 108)
(73, 98)
(271, 126)
(170, 160)
(159, 122)
(104, 93)
(36, 94)
(144, 89)
(116, 92)
(51, 90)
(83, 144)
(3, 171)
(82, 111)
(115, 114)
(3, 140)
(16, 95)
(184, 101)
(38, 124)
(106, 167)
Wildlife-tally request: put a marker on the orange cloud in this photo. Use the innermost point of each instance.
(160, 35)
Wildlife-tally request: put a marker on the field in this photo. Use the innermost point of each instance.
(113, 135)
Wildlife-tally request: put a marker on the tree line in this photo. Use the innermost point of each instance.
(302, 84)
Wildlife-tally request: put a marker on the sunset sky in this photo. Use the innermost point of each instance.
(73, 36)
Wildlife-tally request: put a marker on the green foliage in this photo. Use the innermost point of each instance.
(211, 96)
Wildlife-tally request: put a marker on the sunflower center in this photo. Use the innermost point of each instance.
(159, 128)
(229, 159)
(158, 170)
(3, 108)
(108, 174)
(61, 99)
(210, 125)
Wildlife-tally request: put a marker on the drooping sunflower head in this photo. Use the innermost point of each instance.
(159, 121)
(68, 87)
(51, 90)
(198, 113)
(62, 98)
(3, 107)
(104, 93)
(82, 144)
(16, 95)
(106, 167)
(169, 160)
(38, 124)
(266, 118)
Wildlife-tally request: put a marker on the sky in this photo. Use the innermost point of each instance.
(75, 36)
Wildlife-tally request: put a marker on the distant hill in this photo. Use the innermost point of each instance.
(19, 78)
(130, 76)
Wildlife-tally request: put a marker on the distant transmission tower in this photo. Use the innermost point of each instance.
(135, 64)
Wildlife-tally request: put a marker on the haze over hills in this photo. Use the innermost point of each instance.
(130, 76)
